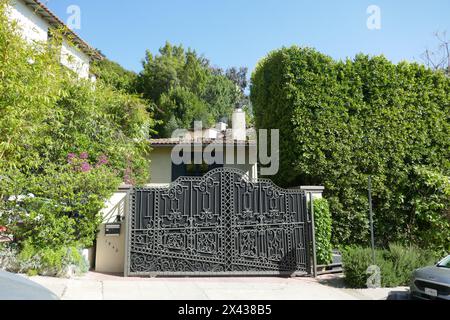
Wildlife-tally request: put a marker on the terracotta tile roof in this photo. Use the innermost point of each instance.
(54, 21)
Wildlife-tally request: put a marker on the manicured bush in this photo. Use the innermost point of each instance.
(343, 121)
(323, 223)
(396, 264)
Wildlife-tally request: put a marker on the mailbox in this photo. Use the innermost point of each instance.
(112, 229)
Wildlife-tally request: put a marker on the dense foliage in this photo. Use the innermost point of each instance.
(343, 121)
(66, 144)
(114, 75)
(57, 261)
(396, 264)
(183, 88)
(323, 224)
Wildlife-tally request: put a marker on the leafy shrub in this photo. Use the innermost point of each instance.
(66, 145)
(431, 202)
(62, 206)
(343, 121)
(407, 259)
(389, 278)
(7, 255)
(59, 262)
(114, 75)
(356, 260)
(323, 223)
(10, 261)
(396, 264)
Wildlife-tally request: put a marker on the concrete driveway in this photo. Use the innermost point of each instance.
(95, 286)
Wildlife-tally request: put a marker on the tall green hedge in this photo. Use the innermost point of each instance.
(341, 121)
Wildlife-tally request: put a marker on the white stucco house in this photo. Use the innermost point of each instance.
(35, 22)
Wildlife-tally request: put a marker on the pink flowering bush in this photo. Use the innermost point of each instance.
(102, 160)
(65, 145)
(84, 156)
(81, 162)
(65, 204)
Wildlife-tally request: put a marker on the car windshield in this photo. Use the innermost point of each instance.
(445, 263)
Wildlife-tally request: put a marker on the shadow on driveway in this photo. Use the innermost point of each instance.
(335, 281)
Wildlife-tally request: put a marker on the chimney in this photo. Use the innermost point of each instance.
(239, 125)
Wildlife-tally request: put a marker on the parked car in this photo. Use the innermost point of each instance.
(15, 287)
(432, 283)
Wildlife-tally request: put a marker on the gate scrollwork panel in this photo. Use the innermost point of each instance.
(221, 223)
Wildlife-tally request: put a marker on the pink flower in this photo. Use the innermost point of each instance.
(85, 167)
(84, 155)
(71, 157)
(127, 176)
(103, 160)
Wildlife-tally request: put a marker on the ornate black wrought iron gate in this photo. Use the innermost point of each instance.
(221, 223)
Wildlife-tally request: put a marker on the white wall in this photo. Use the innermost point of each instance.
(75, 60)
(32, 26)
(161, 165)
(114, 207)
(110, 251)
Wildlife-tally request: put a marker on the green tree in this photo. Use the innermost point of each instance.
(184, 88)
(160, 74)
(185, 107)
(221, 95)
(113, 74)
(238, 76)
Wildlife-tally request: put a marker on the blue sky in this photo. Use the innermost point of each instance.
(239, 33)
